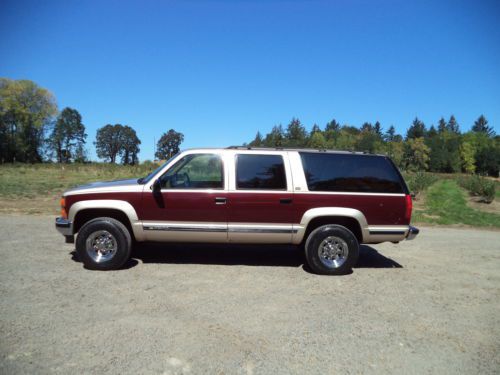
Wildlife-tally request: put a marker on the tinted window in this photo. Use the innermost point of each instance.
(260, 172)
(196, 171)
(352, 173)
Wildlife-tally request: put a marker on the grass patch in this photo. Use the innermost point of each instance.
(446, 204)
(43, 184)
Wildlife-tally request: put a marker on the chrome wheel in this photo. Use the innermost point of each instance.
(101, 246)
(333, 252)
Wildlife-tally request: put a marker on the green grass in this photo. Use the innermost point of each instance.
(32, 180)
(446, 204)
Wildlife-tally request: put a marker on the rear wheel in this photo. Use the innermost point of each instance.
(331, 250)
(103, 244)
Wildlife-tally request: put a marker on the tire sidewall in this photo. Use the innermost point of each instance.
(315, 239)
(119, 232)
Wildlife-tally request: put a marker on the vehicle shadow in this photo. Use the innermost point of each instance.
(244, 255)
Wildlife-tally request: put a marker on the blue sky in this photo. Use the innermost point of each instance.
(218, 71)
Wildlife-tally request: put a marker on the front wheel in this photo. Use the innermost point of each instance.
(331, 250)
(103, 244)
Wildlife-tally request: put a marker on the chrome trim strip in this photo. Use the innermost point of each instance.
(261, 230)
(169, 228)
(381, 232)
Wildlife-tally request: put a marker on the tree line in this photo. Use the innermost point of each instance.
(441, 148)
(32, 130)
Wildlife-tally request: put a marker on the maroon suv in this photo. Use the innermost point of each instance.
(330, 202)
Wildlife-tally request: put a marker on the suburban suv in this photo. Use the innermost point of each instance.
(329, 202)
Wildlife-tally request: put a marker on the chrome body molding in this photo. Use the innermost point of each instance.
(120, 205)
(218, 232)
(383, 233)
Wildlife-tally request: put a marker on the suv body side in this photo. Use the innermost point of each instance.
(228, 213)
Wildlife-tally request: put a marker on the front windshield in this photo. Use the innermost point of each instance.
(145, 180)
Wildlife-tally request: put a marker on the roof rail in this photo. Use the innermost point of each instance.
(297, 149)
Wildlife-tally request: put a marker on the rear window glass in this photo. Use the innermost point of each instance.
(350, 173)
(266, 172)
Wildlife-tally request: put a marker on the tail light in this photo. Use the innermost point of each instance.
(409, 207)
(64, 213)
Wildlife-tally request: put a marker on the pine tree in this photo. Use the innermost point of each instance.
(481, 126)
(416, 130)
(452, 125)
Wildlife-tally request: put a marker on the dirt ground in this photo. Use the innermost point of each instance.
(431, 305)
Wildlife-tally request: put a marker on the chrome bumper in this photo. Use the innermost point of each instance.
(412, 233)
(64, 226)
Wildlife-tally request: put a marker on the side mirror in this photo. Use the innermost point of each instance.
(157, 186)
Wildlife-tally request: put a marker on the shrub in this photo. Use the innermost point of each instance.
(419, 181)
(479, 187)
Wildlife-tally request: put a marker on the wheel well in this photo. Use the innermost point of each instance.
(349, 222)
(86, 215)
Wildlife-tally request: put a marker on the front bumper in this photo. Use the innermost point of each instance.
(412, 233)
(64, 226)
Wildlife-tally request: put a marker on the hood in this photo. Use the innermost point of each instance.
(107, 186)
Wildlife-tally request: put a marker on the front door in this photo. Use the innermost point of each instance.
(260, 200)
(191, 205)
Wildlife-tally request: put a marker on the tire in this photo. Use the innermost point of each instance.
(331, 250)
(103, 244)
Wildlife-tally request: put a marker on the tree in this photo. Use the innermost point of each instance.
(315, 129)
(26, 110)
(257, 142)
(108, 142)
(416, 130)
(395, 150)
(332, 126)
(377, 128)
(68, 135)
(168, 145)
(488, 160)
(481, 126)
(275, 138)
(317, 140)
(416, 154)
(442, 126)
(467, 157)
(130, 145)
(452, 125)
(367, 127)
(296, 134)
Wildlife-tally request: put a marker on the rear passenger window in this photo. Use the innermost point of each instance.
(350, 173)
(260, 172)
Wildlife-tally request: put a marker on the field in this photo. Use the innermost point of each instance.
(36, 189)
(41, 185)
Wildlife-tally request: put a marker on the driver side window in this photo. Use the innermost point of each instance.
(195, 171)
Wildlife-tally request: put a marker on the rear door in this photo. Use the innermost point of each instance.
(260, 198)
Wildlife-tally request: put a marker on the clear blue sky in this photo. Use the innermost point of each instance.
(218, 71)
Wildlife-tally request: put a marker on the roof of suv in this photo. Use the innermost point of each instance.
(249, 148)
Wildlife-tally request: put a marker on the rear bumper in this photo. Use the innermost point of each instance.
(64, 226)
(412, 233)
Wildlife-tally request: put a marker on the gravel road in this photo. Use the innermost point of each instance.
(431, 305)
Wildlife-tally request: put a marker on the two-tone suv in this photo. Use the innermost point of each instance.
(327, 201)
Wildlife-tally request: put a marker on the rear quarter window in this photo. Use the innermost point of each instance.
(351, 173)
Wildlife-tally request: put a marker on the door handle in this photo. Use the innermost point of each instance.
(220, 200)
(286, 200)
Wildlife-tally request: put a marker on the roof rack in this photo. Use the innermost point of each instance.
(296, 149)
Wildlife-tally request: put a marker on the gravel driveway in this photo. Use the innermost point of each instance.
(431, 305)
